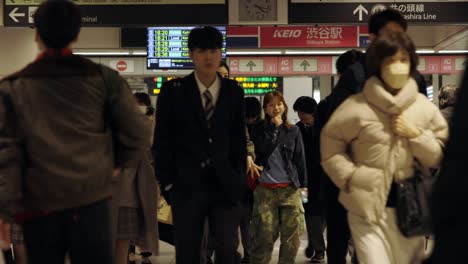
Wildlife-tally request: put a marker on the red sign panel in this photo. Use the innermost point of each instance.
(363, 30)
(248, 66)
(429, 64)
(447, 64)
(304, 65)
(242, 31)
(309, 37)
(308, 65)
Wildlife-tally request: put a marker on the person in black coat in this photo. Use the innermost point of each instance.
(200, 151)
(306, 108)
(338, 234)
(450, 194)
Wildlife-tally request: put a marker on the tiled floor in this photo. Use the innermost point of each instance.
(167, 253)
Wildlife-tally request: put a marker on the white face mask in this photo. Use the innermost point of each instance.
(396, 74)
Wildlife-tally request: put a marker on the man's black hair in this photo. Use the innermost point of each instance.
(347, 59)
(205, 38)
(305, 104)
(380, 19)
(253, 107)
(58, 23)
(224, 64)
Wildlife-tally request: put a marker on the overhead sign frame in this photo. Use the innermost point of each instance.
(330, 12)
(130, 13)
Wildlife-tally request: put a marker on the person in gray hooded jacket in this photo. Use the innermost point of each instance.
(447, 100)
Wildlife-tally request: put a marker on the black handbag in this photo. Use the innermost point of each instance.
(413, 209)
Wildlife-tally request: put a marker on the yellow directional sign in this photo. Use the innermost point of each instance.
(121, 2)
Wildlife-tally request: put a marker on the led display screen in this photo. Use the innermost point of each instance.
(168, 47)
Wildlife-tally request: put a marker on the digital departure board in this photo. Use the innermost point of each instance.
(259, 85)
(168, 47)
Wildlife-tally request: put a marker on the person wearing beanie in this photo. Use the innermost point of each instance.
(448, 96)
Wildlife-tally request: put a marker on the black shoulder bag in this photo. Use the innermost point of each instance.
(413, 209)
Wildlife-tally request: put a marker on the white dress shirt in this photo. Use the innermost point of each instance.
(214, 89)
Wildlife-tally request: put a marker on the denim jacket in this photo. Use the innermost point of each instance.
(292, 150)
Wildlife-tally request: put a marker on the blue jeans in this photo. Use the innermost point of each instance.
(84, 233)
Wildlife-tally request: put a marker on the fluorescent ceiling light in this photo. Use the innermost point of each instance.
(453, 51)
(102, 53)
(139, 53)
(260, 52)
(314, 52)
(425, 51)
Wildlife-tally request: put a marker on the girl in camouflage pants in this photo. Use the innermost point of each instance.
(277, 206)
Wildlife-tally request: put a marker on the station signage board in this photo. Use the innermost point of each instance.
(259, 85)
(248, 66)
(128, 12)
(429, 64)
(309, 37)
(452, 64)
(280, 66)
(324, 12)
(442, 64)
(305, 65)
(252, 85)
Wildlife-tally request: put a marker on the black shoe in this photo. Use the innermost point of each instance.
(309, 252)
(319, 257)
(146, 254)
(8, 255)
(245, 260)
(145, 257)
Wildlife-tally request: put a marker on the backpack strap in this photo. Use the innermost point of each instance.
(111, 81)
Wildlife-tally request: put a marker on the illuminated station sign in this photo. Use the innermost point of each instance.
(252, 85)
(259, 85)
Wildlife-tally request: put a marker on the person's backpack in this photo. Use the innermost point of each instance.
(11, 161)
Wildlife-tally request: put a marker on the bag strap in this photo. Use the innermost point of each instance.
(112, 84)
(111, 81)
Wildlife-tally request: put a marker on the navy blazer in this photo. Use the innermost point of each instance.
(184, 147)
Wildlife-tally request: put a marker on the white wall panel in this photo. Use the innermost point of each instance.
(98, 38)
(293, 88)
(17, 49)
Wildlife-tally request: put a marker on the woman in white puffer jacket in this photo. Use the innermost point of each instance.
(372, 141)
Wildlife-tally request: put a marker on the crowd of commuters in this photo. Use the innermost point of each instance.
(83, 160)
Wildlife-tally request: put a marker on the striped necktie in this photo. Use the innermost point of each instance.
(209, 107)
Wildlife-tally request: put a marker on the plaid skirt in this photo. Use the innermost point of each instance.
(128, 224)
(17, 237)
